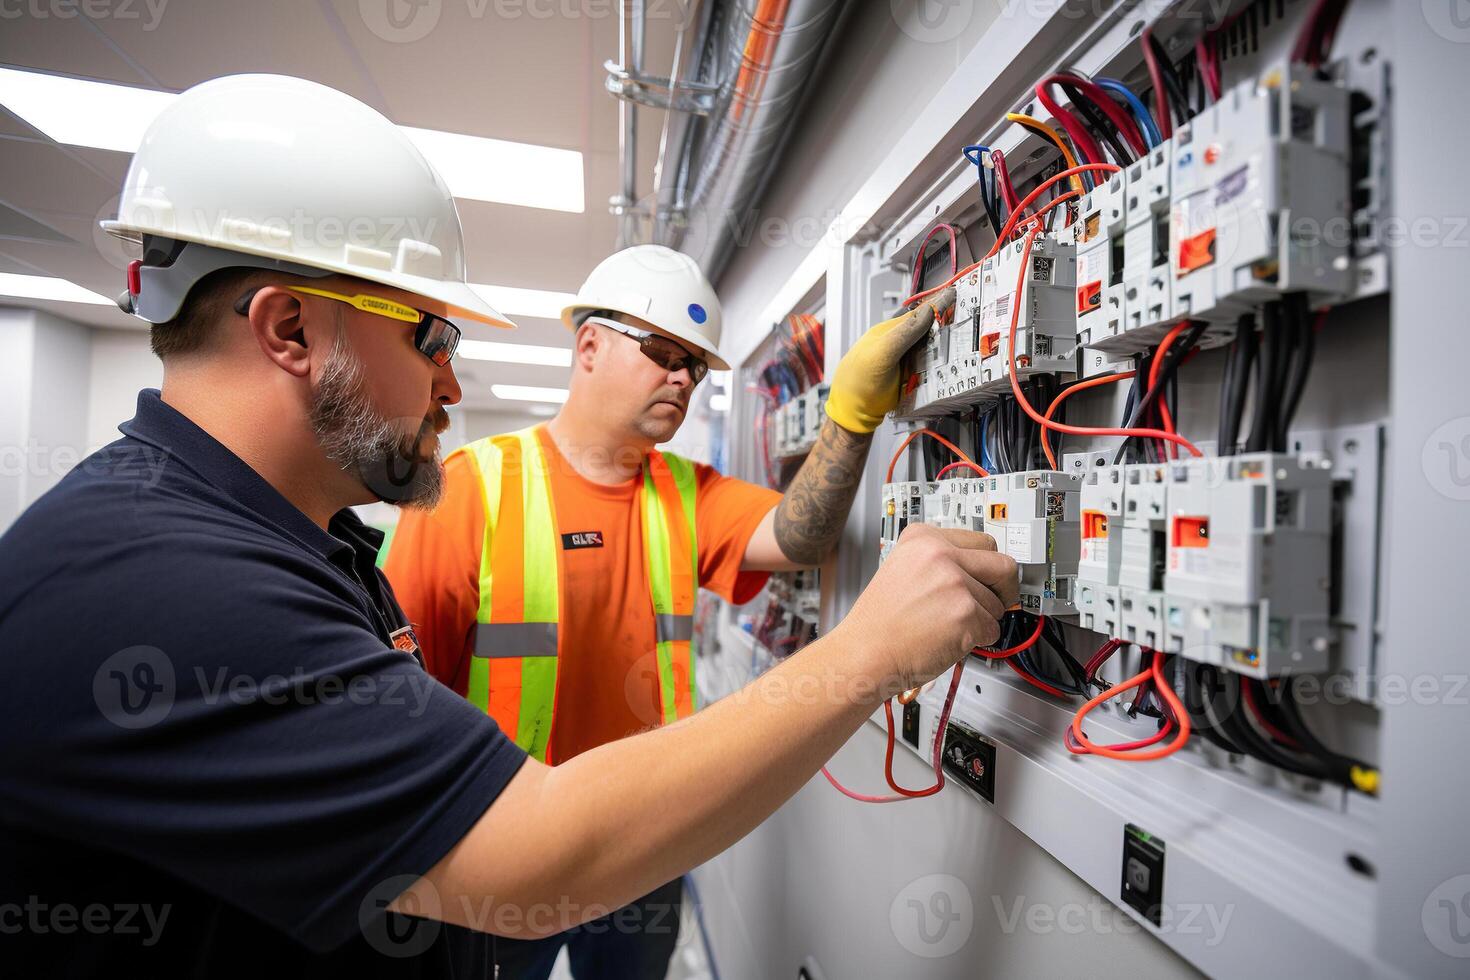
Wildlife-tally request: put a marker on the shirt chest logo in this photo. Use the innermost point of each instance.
(581, 539)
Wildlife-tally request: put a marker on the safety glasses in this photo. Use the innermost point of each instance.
(436, 338)
(660, 349)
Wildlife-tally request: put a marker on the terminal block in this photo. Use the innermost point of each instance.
(1034, 518)
(1247, 578)
(1261, 196)
(798, 421)
(1046, 324)
(1101, 512)
(942, 375)
(956, 503)
(1097, 235)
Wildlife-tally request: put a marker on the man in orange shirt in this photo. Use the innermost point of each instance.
(554, 584)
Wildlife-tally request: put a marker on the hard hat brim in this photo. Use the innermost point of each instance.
(459, 298)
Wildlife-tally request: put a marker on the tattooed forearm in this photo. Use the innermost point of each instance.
(810, 516)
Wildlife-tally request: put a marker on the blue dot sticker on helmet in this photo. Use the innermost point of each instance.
(696, 313)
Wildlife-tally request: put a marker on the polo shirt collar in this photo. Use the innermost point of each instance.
(171, 432)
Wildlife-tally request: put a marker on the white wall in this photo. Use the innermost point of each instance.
(122, 365)
(44, 363)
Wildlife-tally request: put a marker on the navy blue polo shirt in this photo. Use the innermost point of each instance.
(213, 756)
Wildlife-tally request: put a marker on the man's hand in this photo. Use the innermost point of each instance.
(865, 385)
(940, 594)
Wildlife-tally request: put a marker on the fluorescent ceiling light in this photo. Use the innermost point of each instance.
(82, 113)
(48, 287)
(115, 117)
(515, 301)
(490, 350)
(529, 393)
(719, 403)
(483, 169)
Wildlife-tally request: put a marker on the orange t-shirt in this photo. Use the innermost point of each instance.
(607, 682)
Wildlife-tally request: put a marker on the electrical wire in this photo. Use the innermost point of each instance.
(1137, 752)
(1042, 129)
(1068, 392)
(1196, 329)
(1146, 124)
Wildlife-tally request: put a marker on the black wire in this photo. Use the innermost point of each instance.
(1173, 87)
(1299, 319)
(1100, 123)
(1268, 374)
(1338, 766)
(1242, 356)
(1193, 699)
(1172, 359)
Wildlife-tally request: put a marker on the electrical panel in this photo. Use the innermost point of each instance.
(1231, 270)
(798, 421)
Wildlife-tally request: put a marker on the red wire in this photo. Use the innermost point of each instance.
(1025, 644)
(957, 465)
(1166, 690)
(1035, 681)
(1003, 180)
(1082, 141)
(898, 453)
(1162, 114)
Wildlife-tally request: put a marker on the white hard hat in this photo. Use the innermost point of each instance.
(659, 285)
(274, 172)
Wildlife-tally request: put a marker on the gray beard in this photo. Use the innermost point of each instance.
(355, 436)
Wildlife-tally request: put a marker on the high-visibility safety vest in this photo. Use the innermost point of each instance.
(518, 646)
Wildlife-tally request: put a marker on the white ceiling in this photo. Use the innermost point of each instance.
(524, 70)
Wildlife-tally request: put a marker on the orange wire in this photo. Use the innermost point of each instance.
(1020, 396)
(897, 453)
(1166, 691)
(1056, 402)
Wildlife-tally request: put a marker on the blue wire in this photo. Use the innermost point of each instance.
(985, 461)
(1140, 111)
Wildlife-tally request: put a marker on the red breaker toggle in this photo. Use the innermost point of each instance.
(1089, 297)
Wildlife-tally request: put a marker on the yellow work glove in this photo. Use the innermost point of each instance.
(865, 386)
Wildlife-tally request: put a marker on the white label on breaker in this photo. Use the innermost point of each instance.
(1018, 542)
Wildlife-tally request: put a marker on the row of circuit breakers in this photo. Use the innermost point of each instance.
(797, 422)
(1222, 560)
(1248, 201)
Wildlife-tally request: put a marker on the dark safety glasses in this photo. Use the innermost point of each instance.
(436, 338)
(659, 349)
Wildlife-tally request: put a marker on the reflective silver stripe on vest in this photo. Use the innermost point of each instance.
(499, 640)
(669, 627)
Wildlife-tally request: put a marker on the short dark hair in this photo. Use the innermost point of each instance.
(210, 301)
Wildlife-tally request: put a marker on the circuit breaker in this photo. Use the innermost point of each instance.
(1141, 545)
(1101, 513)
(903, 504)
(1247, 579)
(1147, 300)
(1261, 198)
(1046, 324)
(1097, 235)
(1034, 517)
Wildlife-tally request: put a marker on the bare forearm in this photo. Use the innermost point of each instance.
(614, 823)
(810, 517)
